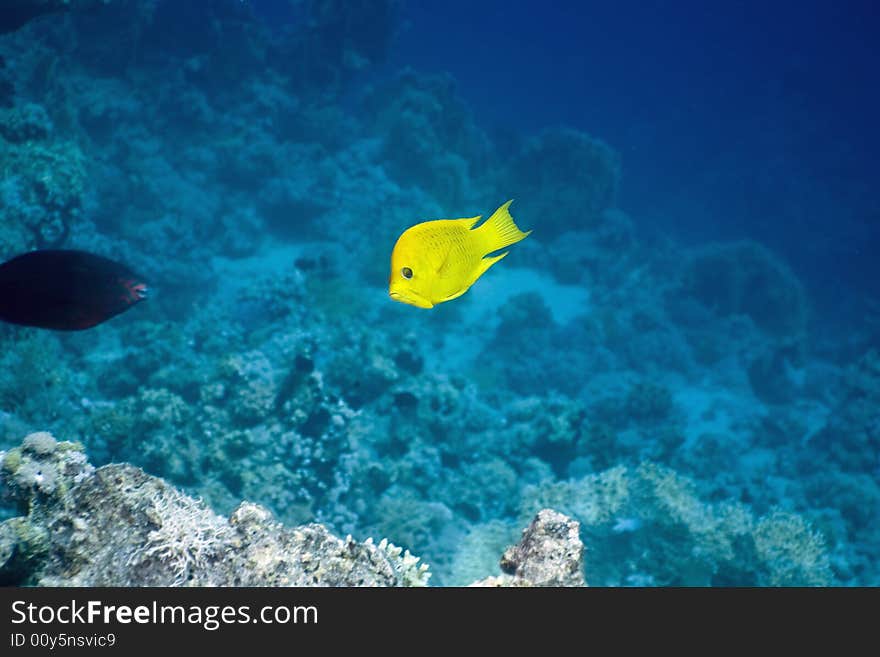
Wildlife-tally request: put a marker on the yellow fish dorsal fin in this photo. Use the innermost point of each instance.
(470, 222)
(499, 231)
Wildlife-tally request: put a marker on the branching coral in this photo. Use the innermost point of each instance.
(405, 564)
(187, 538)
(791, 551)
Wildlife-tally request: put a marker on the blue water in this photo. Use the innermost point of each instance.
(734, 119)
(684, 355)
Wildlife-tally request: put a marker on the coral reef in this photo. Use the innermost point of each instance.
(851, 437)
(527, 334)
(340, 39)
(745, 278)
(565, 179)
(646, 526)
(682, 402)
(117, 526)
(264, 427)
(41, 181)
(477, 552)
(430, 138)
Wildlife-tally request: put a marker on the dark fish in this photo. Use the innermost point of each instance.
(66, 290)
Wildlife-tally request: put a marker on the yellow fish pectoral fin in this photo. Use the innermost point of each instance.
(485, 263)
(443, 268)
(448, 273)
(454, 296)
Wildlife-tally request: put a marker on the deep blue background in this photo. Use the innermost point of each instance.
(734, 119)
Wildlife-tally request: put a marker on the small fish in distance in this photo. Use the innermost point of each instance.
(437, 261)
(66, 290)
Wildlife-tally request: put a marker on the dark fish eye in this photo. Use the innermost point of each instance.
(406, 272)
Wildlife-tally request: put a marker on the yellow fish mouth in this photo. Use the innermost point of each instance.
(411, 298)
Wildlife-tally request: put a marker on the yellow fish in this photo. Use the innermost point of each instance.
(437, 261)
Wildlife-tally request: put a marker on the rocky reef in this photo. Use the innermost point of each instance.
(41, 181)
(550, 553)
(117, 526)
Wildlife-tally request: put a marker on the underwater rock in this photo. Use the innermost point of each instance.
(649, 402)
(16, 13)
(773, 373)
(524, 351)
(745, 278)
(601, 257)
(564, 181)
(431, 139)
(251, 387)
(42, 380)
(333, 40)
(41, 470)
(481, 490)
(42, 199)
(34, 476)
(549, 427)
(362, 372)
(227, 423)
(118, 526)
(851, 437)
(550, 553)
(23, 123)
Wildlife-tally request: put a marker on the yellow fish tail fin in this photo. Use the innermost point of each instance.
(500, 231)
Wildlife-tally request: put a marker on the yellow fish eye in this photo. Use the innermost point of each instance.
(406, 272)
